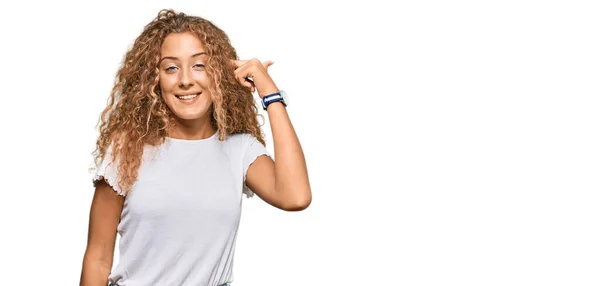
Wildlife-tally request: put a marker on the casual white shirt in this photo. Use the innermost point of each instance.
(180, 220)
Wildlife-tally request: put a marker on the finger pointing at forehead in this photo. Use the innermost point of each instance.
(240, 63)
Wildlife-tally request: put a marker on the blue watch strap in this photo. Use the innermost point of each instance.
(274, 97)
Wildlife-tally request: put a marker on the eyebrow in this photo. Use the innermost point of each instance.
(175, 58)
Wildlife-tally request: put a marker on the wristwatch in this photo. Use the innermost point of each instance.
(279, 96)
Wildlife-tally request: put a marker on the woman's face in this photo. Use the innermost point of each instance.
(183, 79)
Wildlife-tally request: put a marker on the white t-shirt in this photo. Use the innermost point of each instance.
(180, 220)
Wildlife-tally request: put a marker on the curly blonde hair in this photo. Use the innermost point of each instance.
(136, 114)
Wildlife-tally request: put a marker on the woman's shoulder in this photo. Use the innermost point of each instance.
(240, 137)
(240, 141)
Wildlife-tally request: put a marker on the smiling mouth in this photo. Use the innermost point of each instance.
(188, 96)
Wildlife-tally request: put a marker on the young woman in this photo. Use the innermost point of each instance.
(179, 144)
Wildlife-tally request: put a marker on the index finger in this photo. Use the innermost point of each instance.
(238, 64)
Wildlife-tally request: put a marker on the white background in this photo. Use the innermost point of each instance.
(448, 142)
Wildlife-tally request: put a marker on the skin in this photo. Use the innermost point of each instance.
(105, 214)
(282, 183)
(182, 72)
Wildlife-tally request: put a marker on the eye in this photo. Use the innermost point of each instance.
(199, 66)
(169, 69)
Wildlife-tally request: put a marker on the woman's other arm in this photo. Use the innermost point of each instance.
(105, 214)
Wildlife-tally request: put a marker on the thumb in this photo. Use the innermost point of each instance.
(267, 64)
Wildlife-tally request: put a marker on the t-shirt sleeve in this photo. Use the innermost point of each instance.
(107, 171)
(253, 149)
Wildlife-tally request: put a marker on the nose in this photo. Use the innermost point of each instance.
(185, 80)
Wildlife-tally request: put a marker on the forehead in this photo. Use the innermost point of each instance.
(181, 44)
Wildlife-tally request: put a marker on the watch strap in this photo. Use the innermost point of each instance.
(271, 98)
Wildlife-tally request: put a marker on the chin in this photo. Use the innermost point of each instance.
(191, 116)
(194, 111)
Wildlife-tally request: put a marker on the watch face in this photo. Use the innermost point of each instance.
(285, 97)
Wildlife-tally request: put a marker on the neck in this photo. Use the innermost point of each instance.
(192, 129)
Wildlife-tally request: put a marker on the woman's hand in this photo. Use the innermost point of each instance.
(254, 75)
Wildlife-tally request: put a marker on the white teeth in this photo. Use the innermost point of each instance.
(187, 97)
